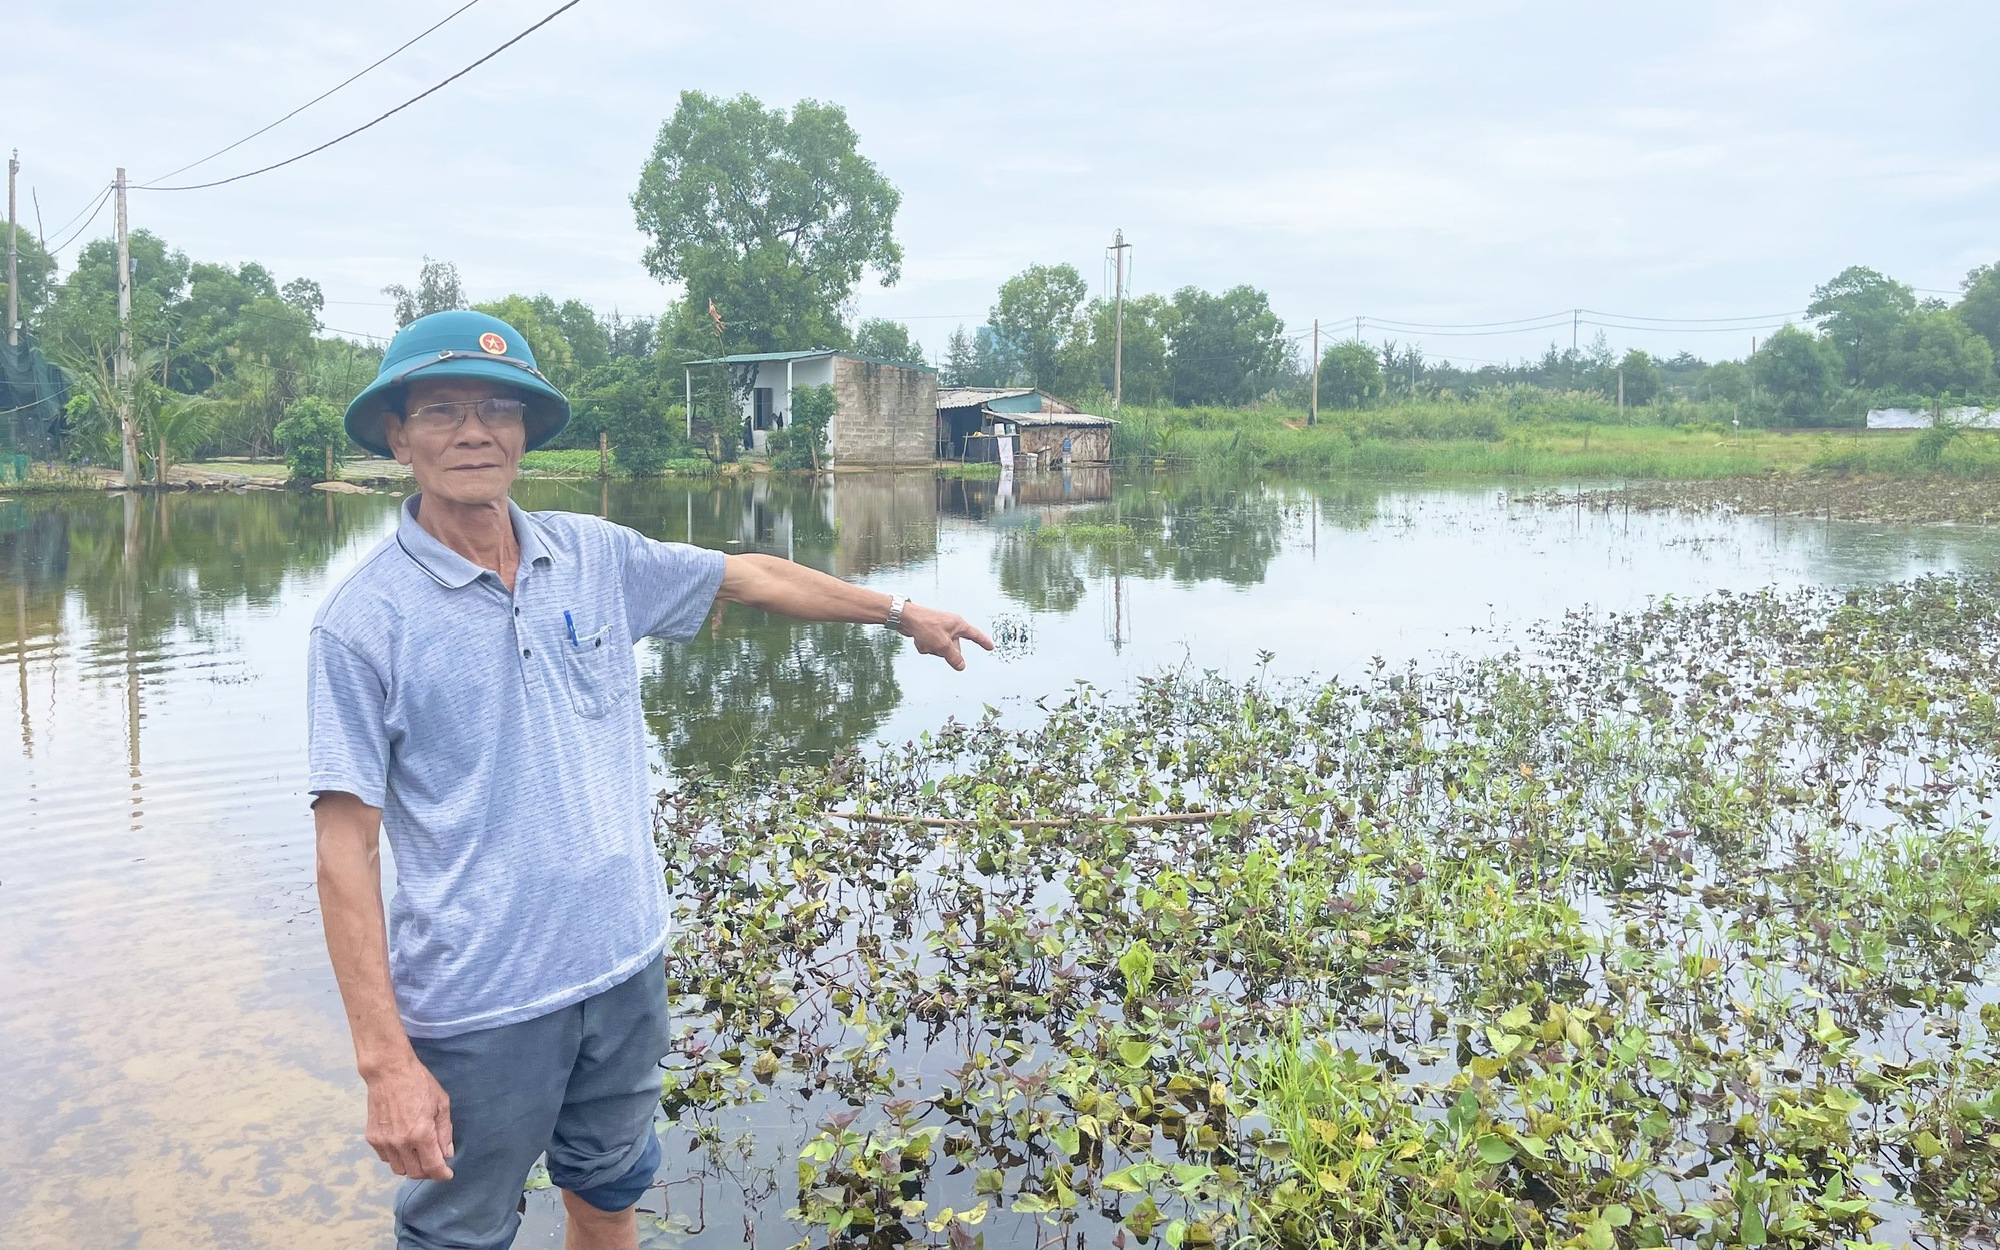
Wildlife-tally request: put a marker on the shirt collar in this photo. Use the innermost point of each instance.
(452, 570)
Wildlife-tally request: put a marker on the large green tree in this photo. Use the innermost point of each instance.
(1350, 375)
(1039, 315)
(37, 270)
(1796, 375)
(1225, 349)
(1936, 353)
(438, 289)
(1641, 375)
(1861, 313)
(957, 366)
(882, 339)
(769, 216)
(1145, 372)
(538, 320)
(1979, 308)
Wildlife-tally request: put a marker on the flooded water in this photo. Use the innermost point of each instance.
(177, 1068)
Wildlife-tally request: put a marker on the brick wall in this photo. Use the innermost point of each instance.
(884, 414)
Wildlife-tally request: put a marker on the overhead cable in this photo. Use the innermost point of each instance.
(87, 208)
(96, 207)
(1387, 322)
(309, 103)
(1776, 316)
(201, 186)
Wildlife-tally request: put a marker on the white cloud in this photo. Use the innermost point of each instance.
(1455, 161)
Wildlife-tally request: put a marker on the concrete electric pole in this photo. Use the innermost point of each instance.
(1312, 413)
(1118, 246)
(13, 258)
(128, 429)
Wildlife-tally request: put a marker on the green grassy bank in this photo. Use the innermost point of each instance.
(1574, 440)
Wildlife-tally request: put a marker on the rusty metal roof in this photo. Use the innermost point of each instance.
(1052, 418)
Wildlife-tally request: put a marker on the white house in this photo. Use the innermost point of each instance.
(884, 412)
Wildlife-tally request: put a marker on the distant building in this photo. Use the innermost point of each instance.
(989, 422)
(884, 413)
(1918, 419)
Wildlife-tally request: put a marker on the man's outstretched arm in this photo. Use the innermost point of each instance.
(778, 585)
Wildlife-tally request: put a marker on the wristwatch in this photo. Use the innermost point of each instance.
(895, 620)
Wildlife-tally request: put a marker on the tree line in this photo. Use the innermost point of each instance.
(766, 220)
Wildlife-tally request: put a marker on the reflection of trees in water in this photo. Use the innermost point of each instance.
(1041, 575)
(759, 690)
(145, 566)
(1190, 530)
(766, 693)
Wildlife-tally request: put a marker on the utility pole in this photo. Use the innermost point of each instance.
(1621, 392)
(128, 430)
(1312, 413)
(13, 259)
(1118, 246)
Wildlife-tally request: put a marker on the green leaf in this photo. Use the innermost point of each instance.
(1495, 1149)
(1122, 1181)
(1751, 1232)
(1135, 1054)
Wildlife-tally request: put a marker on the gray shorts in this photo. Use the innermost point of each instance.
(581, 1083)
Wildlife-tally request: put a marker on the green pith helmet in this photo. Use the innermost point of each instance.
(457, 344)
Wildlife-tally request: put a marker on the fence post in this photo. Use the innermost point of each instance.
(603, 455)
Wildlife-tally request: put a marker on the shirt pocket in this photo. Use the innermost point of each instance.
(593, 673)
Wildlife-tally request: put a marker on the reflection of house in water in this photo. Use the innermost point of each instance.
(883, 411)
(984, 424)
(768, 520)
(885, 520)
(980, 499)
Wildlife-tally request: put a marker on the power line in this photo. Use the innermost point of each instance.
(94, 210)
(1386, 322)
(309, 103)
(80, 212)
(202, 186)
(1776, 316)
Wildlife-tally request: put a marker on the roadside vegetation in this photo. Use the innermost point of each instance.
(1522, 435)
(1678, 929)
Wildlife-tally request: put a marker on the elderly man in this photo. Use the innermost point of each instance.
(473, 694)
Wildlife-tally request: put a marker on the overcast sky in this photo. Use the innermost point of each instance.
(1444, 163)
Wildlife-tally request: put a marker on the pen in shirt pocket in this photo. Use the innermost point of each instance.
(570, 622)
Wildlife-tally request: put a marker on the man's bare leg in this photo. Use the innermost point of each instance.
(592, 1229)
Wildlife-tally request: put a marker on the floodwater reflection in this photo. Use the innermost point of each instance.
(178, 1071)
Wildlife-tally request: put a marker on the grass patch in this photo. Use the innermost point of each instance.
(1083, 534)
(49, 478)
(585, 463)
(578, 462)
(970, 470)
(1579, 438)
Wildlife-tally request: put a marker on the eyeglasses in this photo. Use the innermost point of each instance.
(499, 415)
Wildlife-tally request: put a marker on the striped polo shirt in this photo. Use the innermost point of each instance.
(502, 737)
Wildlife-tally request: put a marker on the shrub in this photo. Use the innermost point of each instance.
(311, 429)
(802, 443)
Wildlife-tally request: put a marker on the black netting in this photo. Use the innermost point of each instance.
(32, 394)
